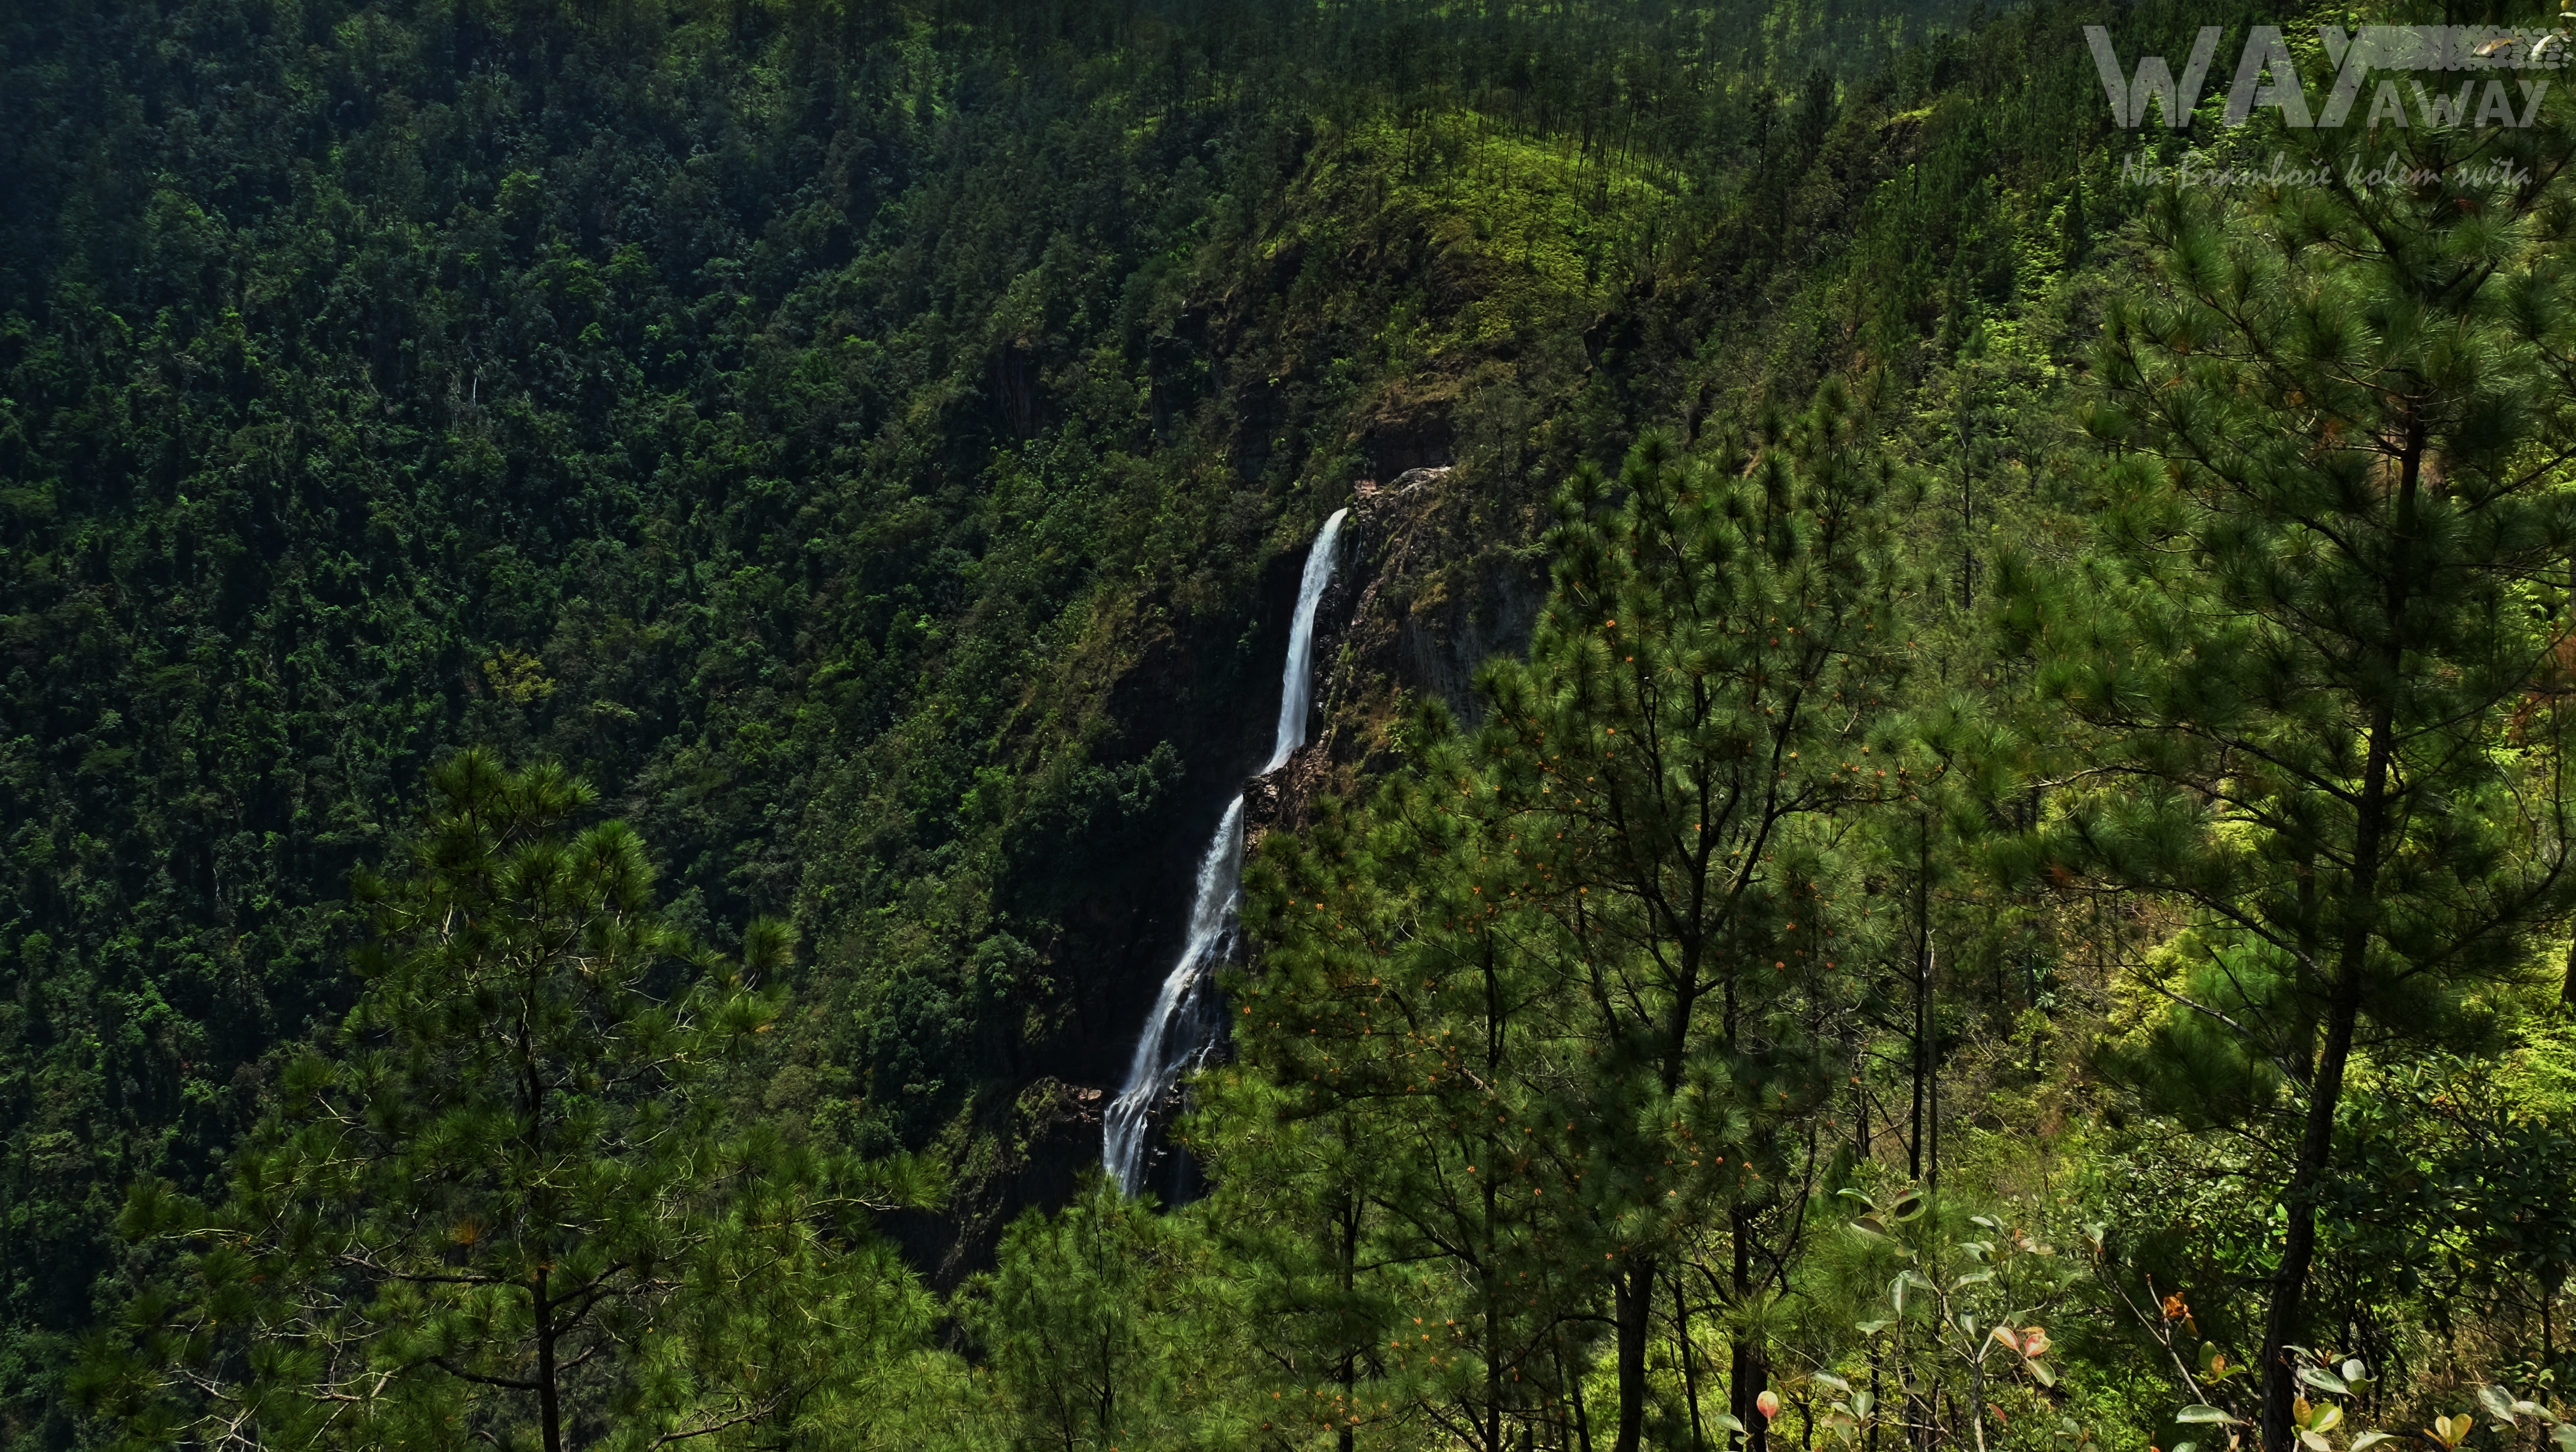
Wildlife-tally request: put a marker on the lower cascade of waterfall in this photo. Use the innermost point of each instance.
(1185, 1027)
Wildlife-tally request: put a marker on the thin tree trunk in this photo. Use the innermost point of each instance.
(1748, 1366)
(1493, 1214)
(549, 1408)
(2343, 1006)
(1877, 1397)
(532, 1090)
(1573, 1383)
(2567, 979)
(1690, 1375)
(1350, 1249)
(1493, 1321)
(1863, 1139)
(1634, 1294)
(1108, 1389)
(1967, 511)
(1922, 994)
(2299, 1243)
(1931, 1074)
(1749, 1371)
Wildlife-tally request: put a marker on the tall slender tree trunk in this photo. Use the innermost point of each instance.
(1690, 1372)
(2299, 1244)
(1931, 1073)
(1108, 1388)
(1877, 1397)
(2343, 1003)
(1967, 510)
(1634, 1295)
(1349, 1268)
(1491, 1268)
(533, 1133)
(1864, 1135)
(1922, 997)
(2567, 983)
(1493, 1308)
(1749, 1363)
(1748, 1370)
(549, 1406)
(1572, 1380)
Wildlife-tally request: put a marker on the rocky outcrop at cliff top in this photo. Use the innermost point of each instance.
(1414, 610)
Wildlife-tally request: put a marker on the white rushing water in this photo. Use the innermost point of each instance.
(1297, 679)
(1182, 1029)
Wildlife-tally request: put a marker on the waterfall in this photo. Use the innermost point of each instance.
(1297, 680)
(1183, 1028)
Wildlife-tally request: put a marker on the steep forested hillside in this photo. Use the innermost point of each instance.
(875, 447)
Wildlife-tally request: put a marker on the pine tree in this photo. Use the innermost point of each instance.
(1107, 1326)
(1391, 1134)
(1575, 970)
(509, 1207)
(1699, 704)
(2335, 532)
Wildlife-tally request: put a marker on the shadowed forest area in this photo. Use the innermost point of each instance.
(1937, 810)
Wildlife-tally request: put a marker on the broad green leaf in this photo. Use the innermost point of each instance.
(1896, 1289)
(2324, 1380)
(2194, 1414)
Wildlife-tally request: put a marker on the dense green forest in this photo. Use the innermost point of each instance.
(1938, 813)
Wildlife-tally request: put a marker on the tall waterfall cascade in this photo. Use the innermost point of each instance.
(1184, 1027)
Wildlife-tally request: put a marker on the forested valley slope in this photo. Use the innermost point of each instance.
(1934, 812)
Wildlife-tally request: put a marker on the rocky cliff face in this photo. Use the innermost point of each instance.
(1421, 601)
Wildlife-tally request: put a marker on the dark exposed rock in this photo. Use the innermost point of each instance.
(1053, 1136)
(1415, 609)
